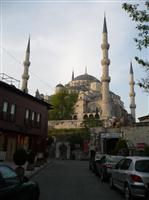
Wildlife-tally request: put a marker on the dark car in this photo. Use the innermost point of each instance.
(13, 188)
(107, 163)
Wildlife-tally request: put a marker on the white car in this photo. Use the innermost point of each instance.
(131, 175)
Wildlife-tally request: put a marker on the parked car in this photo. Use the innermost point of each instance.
(131, 175)
(93, 162)
(98, 162)
(106, 165)
(12, 187)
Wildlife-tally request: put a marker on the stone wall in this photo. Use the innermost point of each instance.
(138, 133)
(64, 124)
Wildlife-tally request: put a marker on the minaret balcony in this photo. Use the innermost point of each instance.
(105, 79)
(105, 61)
(132, 105)
(132, 94)
(26, 63)
(25, 76)
(132, 83)
(105, 46)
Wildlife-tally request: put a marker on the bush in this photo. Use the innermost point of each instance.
(20, 157)
(121, 148)
(31, 157)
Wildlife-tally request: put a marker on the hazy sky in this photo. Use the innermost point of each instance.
(67, 35)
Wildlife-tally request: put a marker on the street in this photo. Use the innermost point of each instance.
(72, 180)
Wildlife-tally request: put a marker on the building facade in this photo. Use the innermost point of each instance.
(23, 121)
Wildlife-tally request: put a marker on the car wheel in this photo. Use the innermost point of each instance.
(111, 183)
(127, 193)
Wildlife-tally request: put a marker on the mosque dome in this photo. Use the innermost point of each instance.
(86, 77)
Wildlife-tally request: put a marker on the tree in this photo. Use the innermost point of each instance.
(63, 105)
(121, 147)
(141, 17)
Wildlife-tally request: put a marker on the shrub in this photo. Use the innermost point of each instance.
(20, 157)
(121, 147)
(31, 157)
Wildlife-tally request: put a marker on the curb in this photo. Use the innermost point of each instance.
(31, 174)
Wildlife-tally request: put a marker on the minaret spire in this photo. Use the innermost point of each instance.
(132, 93)
(26, 64)
(72, 75)
(105, 78)
(104, 24)
(85, 70)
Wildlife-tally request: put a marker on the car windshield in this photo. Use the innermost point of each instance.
(7, 172)
(142, 166)
(114, 159)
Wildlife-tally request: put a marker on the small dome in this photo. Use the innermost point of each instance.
(60, 85)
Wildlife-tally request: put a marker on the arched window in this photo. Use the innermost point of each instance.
(75, 117)
(91, 116)
(85, 117)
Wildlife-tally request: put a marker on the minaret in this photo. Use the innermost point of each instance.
(132, 93)
(105, 78)
(85, 70)
(26, 64)
(72, 75)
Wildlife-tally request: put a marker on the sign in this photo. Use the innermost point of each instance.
(110, 135)
(140, 145)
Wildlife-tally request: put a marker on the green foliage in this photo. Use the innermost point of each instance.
(91, 122)
(20, 157)
(63, 105)
(78, 138)
(141, 17)
(121, 146)
(31, 157)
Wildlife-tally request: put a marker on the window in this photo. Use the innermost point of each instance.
(38, 120)
(5, 115)
(9, 175)
(126, 164)
(12, 112)
(5, 107)
(33, 116)
(142, 166)
(27, 117)
(13, 109)
(38, 117)
(7, 172)
(27, 114)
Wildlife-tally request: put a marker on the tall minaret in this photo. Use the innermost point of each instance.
(72, 75)
(26, 64)
(85, 70)
(105, 78)
(132, 93)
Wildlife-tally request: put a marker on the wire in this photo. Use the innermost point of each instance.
(11, 55)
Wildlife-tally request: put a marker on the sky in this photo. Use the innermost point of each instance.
(67, 36)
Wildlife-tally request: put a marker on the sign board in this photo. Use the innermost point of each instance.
(110, 135)
(140, 145)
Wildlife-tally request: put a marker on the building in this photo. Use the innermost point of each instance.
(23, 121)
(23, 117)
(95, 100)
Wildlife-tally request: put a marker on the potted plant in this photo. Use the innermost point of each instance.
(31, 161)
(20, 158)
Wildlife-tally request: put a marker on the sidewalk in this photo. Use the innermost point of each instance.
(29, 174)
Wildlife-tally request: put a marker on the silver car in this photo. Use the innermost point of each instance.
(131, 175)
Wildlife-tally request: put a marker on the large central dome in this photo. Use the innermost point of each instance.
(86, 77)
